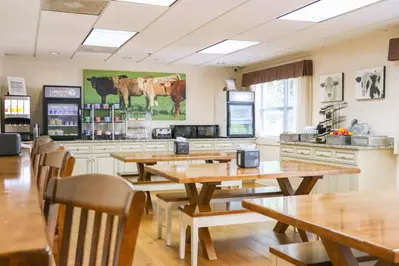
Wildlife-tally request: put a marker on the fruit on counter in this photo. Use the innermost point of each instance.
(341, 132)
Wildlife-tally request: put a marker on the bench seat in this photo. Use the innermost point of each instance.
(308, 254)
(168, 201)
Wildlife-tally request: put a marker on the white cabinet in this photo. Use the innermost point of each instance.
(104, 164)
(82, 164)
(377, 166)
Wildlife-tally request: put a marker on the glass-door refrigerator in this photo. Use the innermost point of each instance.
(61, 111)
(235, 114)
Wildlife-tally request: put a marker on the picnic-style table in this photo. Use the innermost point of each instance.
(365, 220)
(151, 158)
(210, 175)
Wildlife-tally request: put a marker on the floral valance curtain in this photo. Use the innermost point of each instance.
(287, 71)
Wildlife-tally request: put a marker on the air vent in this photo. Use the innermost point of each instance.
(88, 7)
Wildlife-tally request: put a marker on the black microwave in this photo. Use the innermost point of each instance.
(195, 131)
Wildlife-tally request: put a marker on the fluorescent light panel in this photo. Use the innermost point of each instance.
(227, 47)
(151, 2)
(108, 38)
(326, 9)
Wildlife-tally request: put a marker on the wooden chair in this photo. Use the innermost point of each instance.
(35, 146)
(42, 150)
(57, 163)
(105, 195)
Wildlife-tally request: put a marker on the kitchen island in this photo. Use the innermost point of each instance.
(377, 164)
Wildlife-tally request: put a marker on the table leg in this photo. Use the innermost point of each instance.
(304, 188)
(202, 200)
(339, 255)
(146, 176)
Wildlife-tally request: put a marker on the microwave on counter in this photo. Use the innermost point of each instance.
(195, 131)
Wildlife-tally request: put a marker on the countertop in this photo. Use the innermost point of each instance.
(152, 140)
(345, 147)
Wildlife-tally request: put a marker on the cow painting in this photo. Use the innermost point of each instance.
(177, 92)
(153, 87)
(370, 84)
(332, 87)
(105, 86)
(161, 94)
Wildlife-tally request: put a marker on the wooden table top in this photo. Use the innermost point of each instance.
(366, 220)
(22, 225)
(194, 173)
(153, 157)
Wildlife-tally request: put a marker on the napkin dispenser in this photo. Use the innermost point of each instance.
(10, 144)
(249, 158)
(181, 147)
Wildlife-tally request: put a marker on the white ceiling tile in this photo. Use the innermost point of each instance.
(241, 19)
(18, 26)
(182, 18)
(131, 57)
(86, 55)
(273, 30)
(58, 34)
(128, 16)
(198, 59)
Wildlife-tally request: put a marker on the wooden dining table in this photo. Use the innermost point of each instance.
(23, 239)
(365, 220)
(152, 158)
(210, 175)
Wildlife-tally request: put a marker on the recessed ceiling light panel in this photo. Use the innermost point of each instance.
(227, 47)
(151, 2)
(326, 9)
(108, 38)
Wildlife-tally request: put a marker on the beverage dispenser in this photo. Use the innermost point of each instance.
(17, 115)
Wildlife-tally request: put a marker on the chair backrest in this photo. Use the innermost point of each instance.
(108, 196)
(35, 146)
(40, 154)
(56, 163)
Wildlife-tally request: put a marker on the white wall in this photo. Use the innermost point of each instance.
(362, 53)
(202, 82)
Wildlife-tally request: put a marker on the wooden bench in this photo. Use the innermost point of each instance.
(168, 201)
(197, 219)
(308, 254)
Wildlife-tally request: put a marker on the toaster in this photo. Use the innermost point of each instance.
(161, 133)
(10, 144)
(248, 158)
(181, 147)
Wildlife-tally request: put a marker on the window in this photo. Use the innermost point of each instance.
(277, 102)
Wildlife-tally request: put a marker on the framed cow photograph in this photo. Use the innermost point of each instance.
(332, 87)
(163, 94)
(370, 83)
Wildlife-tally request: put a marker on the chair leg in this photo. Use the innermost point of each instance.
(159, 219)
(194, 244)
(169, 225)
(182, 238)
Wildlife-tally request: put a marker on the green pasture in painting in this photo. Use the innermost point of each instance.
(91, 95)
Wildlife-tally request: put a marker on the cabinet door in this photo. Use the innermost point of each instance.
(104, 164)
(82, 165)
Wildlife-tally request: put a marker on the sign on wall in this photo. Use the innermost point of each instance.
(162, 93)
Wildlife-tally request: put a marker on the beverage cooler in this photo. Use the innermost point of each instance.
(61, 112)
(17, 115)
(235, 113)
